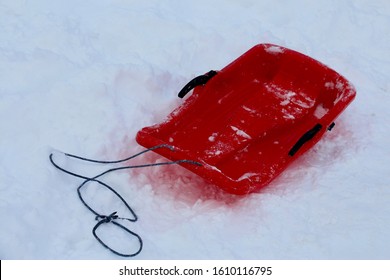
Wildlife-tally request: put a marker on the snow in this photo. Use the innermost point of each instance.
(213, 136)
(274, 49)
(253, 111)
(84, 76)
(320, 111)
(240, 132)
(247, 175)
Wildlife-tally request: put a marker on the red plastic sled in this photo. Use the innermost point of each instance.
(247, 122)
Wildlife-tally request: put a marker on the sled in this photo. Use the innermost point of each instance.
(246, 123)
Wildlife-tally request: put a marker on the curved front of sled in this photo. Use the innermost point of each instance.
(247, 122)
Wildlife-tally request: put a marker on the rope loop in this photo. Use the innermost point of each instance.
(111, 218)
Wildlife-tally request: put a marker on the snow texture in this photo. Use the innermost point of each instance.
(84, 76)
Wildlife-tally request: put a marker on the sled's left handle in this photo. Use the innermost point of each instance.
(200, 80)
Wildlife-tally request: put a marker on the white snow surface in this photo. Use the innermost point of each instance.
(84, 76)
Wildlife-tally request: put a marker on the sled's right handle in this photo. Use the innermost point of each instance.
(200, 80)
(305, 138)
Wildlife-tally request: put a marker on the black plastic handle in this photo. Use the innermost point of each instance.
(197, 81)
(305, 138)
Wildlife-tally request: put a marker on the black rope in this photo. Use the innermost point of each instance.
(104, 219)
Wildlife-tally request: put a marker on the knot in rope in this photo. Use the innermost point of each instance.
(107, 219)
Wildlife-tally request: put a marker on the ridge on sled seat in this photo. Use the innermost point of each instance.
(247, 122)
